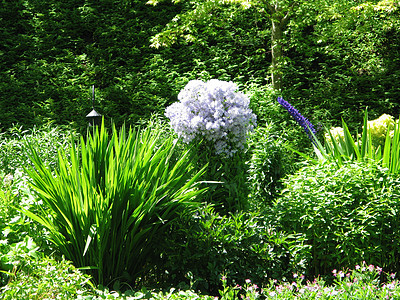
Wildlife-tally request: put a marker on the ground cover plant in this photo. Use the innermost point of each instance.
(361, 282)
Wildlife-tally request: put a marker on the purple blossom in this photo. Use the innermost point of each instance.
(214, 111)
(300, 119)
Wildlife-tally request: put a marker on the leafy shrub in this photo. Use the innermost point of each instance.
(347, 215)
(225, 180)
(263, 103)
(45, 139)
(44, 278)
(112, 197)
(199, 250)
(268, 163)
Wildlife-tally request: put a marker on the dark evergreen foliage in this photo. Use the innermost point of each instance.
(53, 51)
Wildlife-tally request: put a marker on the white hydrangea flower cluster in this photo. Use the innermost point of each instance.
(213, 110)
(336, 132)
(378, 128)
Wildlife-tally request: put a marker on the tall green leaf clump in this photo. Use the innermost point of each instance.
(342, 146)
(105, 204)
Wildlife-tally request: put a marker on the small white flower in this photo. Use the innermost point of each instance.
(8, 179)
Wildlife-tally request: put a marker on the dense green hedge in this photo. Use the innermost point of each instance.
(53, 51)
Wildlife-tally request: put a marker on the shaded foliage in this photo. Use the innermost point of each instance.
(200, 249)
(54, 52)
(343, 61)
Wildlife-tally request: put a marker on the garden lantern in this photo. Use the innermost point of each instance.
(94, 117)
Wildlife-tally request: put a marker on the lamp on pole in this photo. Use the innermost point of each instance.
(94, 117)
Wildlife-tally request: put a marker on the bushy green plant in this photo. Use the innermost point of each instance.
(109, 200)
(44, 278)
(263, 102)
(46, 139)
(225, 179)
(346, 215)
(269, 161)
(198, 251)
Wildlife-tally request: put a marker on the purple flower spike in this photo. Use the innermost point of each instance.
(301, 120)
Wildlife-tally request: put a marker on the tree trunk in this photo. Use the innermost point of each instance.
(276, 52)
(279, 20)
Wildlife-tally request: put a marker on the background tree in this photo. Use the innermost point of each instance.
(342, 58)
(277, 12)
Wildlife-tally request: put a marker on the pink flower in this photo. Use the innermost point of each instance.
(371, 268)
(248, 281)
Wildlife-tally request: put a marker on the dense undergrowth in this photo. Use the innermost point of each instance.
(321, 218)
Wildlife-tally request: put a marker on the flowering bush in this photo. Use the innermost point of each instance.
(378, 129)
(213, 110)
(362, 283)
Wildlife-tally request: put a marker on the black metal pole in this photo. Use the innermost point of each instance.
(93, 96)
